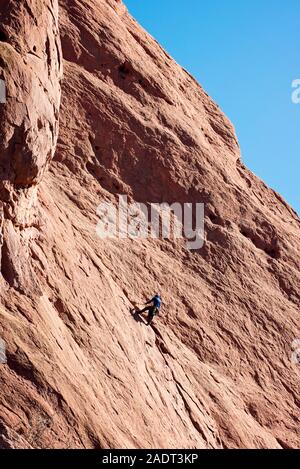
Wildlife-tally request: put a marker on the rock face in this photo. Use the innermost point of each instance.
(31, 66)
(215, 370)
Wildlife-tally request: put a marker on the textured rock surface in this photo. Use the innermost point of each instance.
(215, 371)
(31, 65)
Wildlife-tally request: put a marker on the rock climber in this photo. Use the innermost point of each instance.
(153, 308)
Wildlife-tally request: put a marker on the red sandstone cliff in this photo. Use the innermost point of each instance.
(215, 371)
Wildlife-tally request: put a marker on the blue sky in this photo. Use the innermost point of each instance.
(245, 54)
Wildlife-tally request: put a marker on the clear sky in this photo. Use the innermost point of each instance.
(246, 54)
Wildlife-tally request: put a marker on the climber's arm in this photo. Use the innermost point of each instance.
(148, 302)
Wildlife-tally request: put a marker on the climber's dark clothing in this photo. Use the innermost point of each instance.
(152, 311)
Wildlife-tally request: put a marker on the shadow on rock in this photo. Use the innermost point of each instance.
(136, 316)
